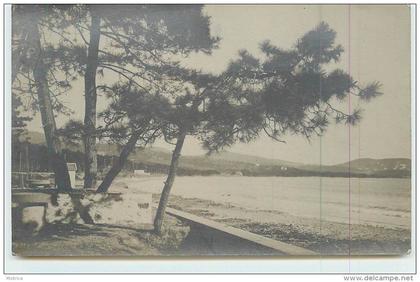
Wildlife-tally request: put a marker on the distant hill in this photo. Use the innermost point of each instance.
(231, 163)
(390, 167)
(222, 160)
(373, 165)
(227, 162)
(236, 157)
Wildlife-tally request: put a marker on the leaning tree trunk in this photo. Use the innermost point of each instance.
(39, 69)
(164, 198)
(91, 162)
(119, 164)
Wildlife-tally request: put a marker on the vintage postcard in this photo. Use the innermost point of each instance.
(210, 130)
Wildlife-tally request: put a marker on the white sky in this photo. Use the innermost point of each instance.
(376, 40)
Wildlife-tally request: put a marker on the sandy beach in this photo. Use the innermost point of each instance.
(327, 238)
(390, 234)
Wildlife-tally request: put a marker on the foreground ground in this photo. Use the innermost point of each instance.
(100, 240)
(325, 237)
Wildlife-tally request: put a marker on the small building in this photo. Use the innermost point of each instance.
(141, 172)
(72, 168)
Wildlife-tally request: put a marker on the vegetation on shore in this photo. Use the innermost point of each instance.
(155, 161)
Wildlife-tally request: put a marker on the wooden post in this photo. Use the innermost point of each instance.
(21, 176)
(27, 162)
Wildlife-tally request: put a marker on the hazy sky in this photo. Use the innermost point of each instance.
(376, 40)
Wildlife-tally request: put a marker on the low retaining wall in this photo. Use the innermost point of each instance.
(208, 237)
(37, 208)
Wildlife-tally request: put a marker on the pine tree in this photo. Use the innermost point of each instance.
(139, 44)
(288, 92)
(34, 62)
(91, 97)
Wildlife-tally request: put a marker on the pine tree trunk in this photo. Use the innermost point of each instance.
(91, 162)
(164, 198)
(62, 178)
(119, 164)
(18, 53)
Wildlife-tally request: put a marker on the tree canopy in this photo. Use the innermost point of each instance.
(288, 91)
(140, 43)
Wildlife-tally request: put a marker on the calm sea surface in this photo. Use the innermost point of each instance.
(377, 202)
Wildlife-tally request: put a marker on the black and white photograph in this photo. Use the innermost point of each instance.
(210, 130)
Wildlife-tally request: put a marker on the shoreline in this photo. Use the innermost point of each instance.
(325, 237)
(322, 236)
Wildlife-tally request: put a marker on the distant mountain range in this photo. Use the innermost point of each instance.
(235, 163)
